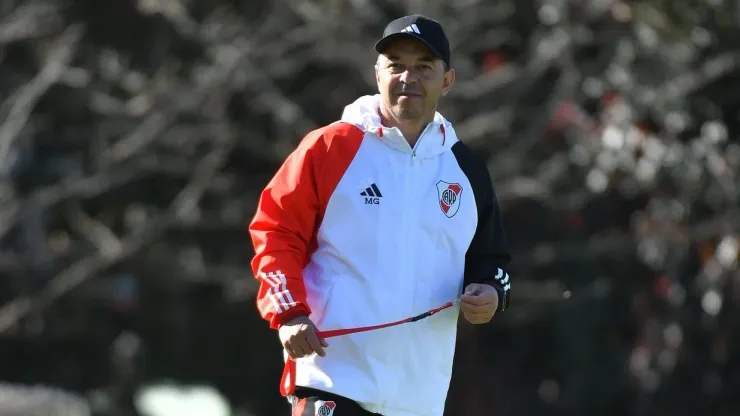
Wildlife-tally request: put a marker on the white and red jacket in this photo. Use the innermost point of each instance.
(357, 229)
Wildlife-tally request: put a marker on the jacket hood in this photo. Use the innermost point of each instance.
(437, 138)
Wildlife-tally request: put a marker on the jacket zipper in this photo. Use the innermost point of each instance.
(411, 187)
(406, 243)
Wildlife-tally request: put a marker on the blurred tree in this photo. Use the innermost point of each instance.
(135, 137)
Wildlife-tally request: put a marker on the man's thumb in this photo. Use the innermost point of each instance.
(471, 289)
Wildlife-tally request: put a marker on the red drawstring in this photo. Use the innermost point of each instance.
(380, 132)
(290, 368)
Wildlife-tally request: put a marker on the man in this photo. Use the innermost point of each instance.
(377, 217)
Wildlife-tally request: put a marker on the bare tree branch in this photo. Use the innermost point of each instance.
(30, 21)
(88, 267)
(25, 100)
(106, 242)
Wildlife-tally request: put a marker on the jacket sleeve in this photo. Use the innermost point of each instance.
(488, 255)
(289, 213)
(282, 229)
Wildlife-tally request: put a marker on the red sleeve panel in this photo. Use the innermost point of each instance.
(289, 213)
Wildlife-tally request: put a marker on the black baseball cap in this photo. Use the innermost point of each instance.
(424, 29)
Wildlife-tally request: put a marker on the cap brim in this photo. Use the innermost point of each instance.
(382, 44)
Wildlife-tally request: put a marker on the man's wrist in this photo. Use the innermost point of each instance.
(290, 314)
(503, 296)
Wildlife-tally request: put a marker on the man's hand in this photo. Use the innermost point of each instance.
(479, 303)
(299, 338)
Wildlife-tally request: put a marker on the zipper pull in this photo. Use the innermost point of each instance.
(413, 154)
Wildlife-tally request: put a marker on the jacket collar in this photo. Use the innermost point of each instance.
(437, 137)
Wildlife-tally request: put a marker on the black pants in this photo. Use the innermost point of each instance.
(312, 402)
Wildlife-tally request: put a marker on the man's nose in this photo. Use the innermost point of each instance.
(407, 77)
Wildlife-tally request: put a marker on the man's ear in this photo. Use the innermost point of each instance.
(448, 80)
(377, 70)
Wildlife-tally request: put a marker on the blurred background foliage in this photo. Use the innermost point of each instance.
(135, 137)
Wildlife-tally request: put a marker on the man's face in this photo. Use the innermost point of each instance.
(411, 80)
